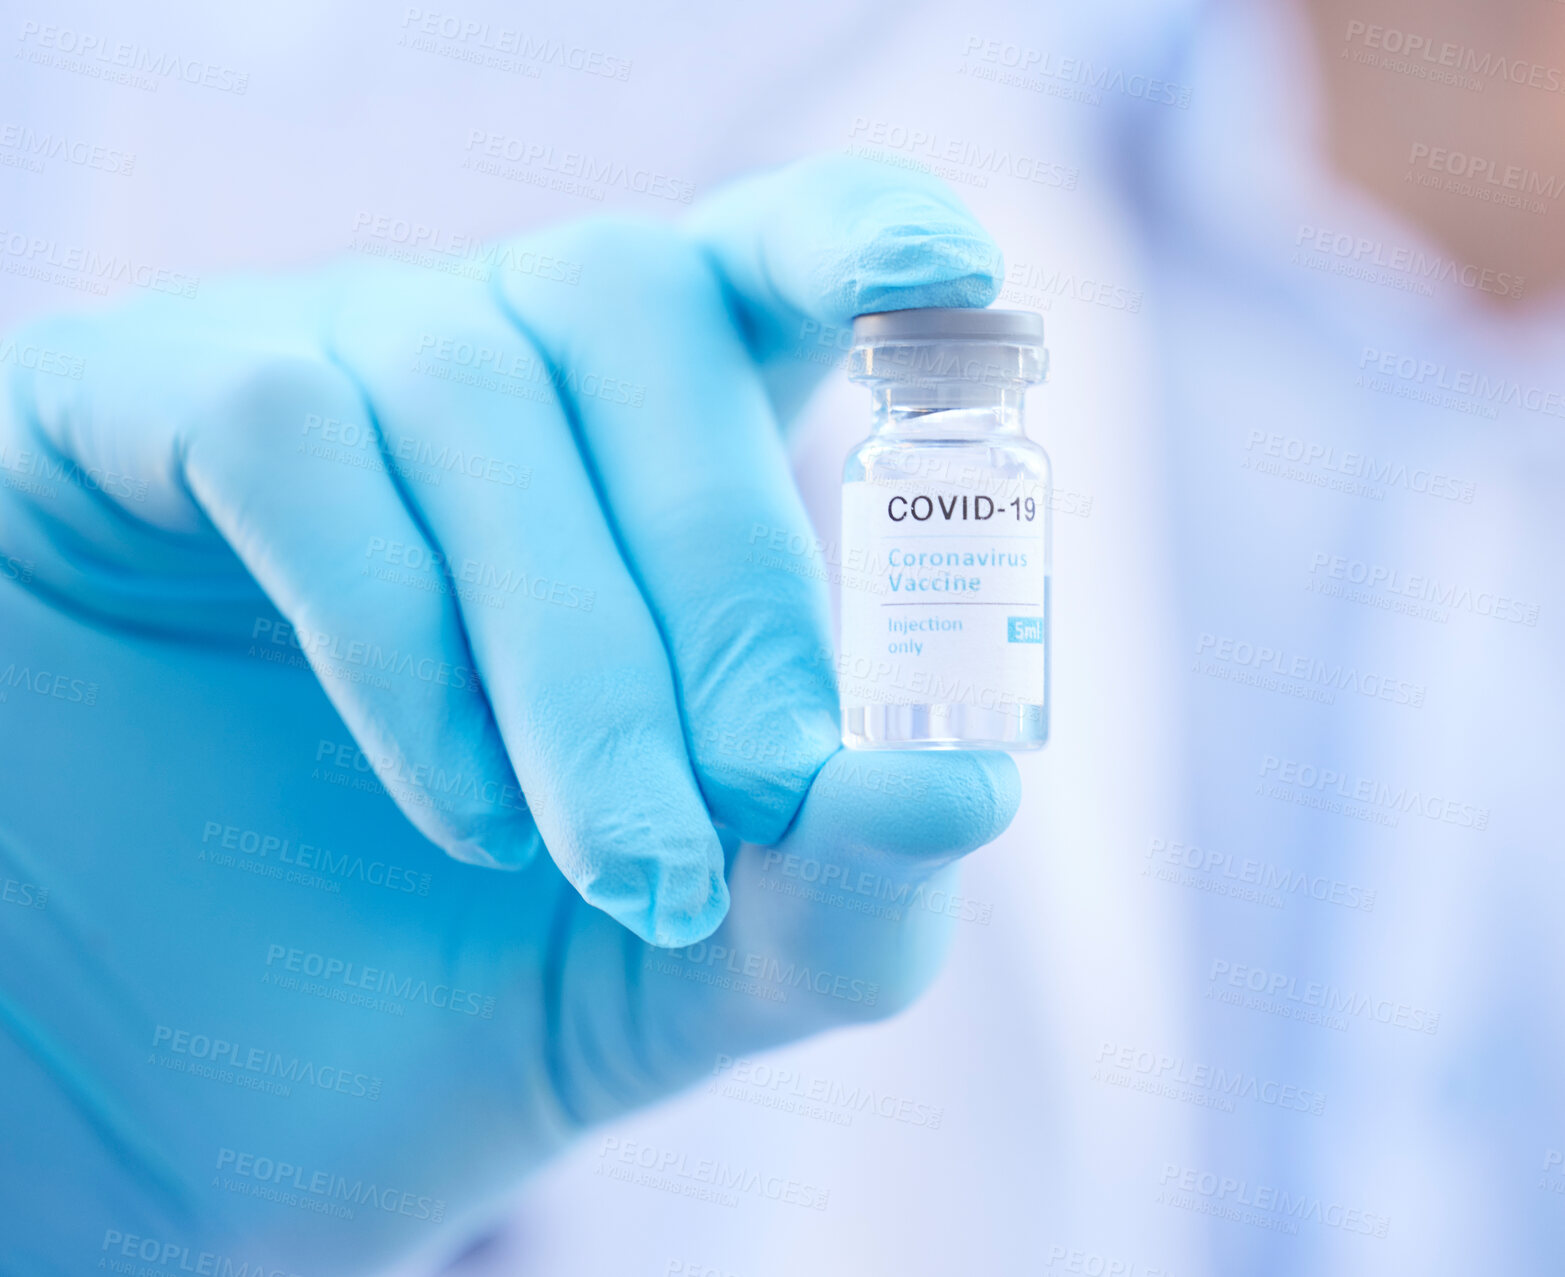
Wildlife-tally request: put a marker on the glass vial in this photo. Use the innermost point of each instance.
(945, 521)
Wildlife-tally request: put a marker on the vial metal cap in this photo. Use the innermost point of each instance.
(950, 323)
(946, 345)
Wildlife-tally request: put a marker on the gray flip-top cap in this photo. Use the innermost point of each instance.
(943, 323)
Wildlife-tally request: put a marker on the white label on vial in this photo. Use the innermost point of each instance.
(951, 606)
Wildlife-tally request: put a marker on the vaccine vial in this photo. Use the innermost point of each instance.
(945, 536)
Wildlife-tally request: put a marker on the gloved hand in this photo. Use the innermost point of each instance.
(512, 515)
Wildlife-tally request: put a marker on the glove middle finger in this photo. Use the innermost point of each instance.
(568, 654)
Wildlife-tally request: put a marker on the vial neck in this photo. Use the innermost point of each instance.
(948, 410)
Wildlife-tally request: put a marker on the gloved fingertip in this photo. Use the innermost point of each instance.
(757, 791)
(909, 250)
(511, 848)
(669, 891)
(674, 927)
(906, 240)
(920, 803)
(833, 236)
(995, 787)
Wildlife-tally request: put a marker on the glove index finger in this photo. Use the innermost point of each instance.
(805, 248)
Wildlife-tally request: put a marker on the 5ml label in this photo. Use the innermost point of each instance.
(953, 606)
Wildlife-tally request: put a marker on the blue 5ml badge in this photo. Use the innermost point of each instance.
(1024, 629)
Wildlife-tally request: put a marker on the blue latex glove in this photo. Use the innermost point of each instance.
(518, 531)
